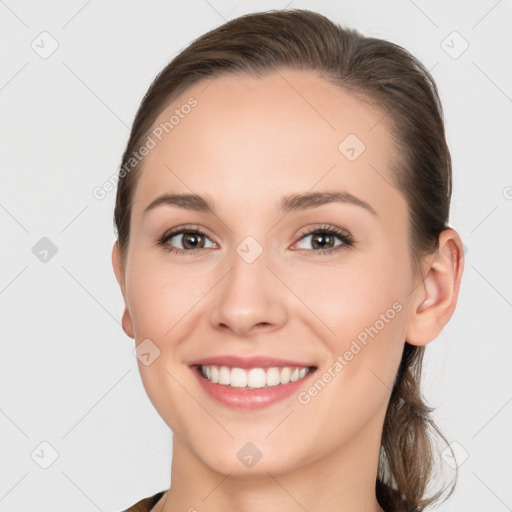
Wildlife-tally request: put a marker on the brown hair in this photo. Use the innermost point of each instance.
(391, 78)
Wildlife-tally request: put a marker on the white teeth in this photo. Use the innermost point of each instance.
(238, 378)
(224, 376)
(273, 377)
(285, 375)
(257, 378)
(254, 378)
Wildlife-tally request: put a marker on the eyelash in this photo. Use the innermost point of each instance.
(344, 236)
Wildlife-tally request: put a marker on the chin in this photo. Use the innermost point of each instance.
(243, 458)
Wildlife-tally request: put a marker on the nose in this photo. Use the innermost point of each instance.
(249, 299)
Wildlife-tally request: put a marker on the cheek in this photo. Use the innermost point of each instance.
(350, 298)
(359, 311)
(162, 303)
(161, 296)
(366, 313)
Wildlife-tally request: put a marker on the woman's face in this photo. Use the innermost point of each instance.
(283, 280)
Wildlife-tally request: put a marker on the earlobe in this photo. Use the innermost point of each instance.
(127, 324)
(436, 298)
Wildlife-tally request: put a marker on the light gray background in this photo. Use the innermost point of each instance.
(68, 374)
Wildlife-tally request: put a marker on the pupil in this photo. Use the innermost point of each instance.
(189, 240)
(326, 238)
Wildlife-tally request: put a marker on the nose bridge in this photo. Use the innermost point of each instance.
(249, 294)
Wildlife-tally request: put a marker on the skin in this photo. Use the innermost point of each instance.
(248, 142)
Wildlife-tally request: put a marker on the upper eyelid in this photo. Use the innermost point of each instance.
(324, 227)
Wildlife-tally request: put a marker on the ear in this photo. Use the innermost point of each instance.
(436, 297)
(117, 264)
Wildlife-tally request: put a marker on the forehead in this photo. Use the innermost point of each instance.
(247, 137)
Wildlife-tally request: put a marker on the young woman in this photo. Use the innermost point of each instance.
(284, 255)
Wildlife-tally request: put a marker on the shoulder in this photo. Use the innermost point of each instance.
(146, 504)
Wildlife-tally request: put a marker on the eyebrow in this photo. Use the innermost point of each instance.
(289, 203)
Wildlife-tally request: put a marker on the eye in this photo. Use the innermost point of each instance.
(185, 240)
(323, 239)
(326, 239)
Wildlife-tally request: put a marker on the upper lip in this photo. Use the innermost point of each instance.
(248, 362)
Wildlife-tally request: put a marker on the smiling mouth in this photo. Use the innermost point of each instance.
(253, 378)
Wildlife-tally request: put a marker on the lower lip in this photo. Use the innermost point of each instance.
(250, 398)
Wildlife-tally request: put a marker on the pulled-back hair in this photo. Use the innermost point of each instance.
(389, 77)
